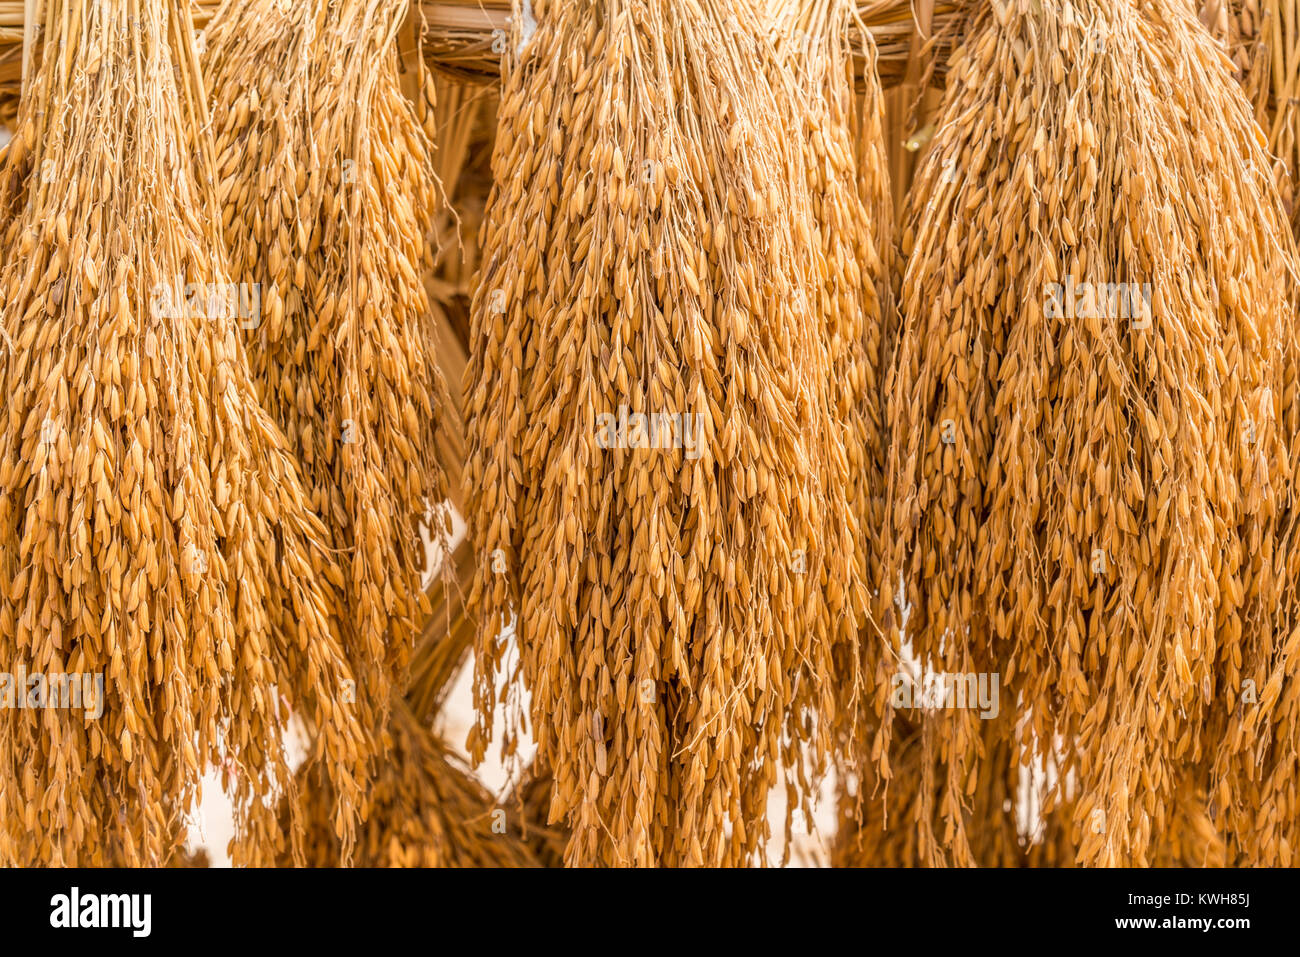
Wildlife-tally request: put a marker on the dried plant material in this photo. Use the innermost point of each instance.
(196, 858)
(1252, 802)
(153, 528)
(1263, 40)
(180, 857)
(903, 43)
(847, 167)
(1194, 839)
(1084, 496)
(328, 194)
(531, 798)
(428, 809)
(677, 610)
(425, 810)
(875, 832)
(465, 123)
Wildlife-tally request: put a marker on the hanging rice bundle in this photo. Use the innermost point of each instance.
(425, 810)
(1252, 799)
(1014, 828)
(1263, 37)
(659, 500)
(1246, 811)
(848, 182)
(1087, 466)
(877, 833)
(1252, 792)
(180, 857)
(886, 823)
(1194, 839)
(328, 195)
(153, 530)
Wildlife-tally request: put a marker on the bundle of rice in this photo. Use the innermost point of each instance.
(1252, 795)
(425, 810)
(445, 641)
(876, 833)
(848, 180)
(1011, 826)
(181, 857)
(1087, 465)
(1261, 36)
(154, 533)
(532, 797)
(1252, 798)
(884, 821)
(658, 497)
(328, 194)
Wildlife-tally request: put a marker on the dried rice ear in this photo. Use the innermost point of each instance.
(1253, 767)
(328, 196)
(848, 182)
(153, 527)
(878, 814)
(531, 797)
(1261, 37)
(897, 820)
(426, 810)
(1252, 799)
(677, 610)
(1085, 493)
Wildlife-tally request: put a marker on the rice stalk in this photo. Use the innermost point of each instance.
(425, 810)
(649, 243)
(328, 196)
(153, 526)
(1086, 504)
(847, 167)
(1262, 38)
(532, 796)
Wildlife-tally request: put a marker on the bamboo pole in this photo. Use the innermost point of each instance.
(465, 38)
